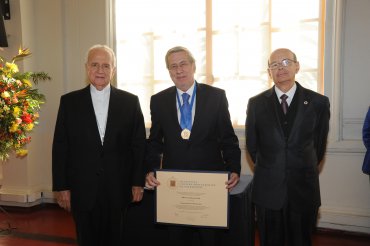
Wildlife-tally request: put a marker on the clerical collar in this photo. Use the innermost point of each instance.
(102, 92)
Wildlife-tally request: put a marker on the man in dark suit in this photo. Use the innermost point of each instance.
(205, 142)
(98, 152)
(286, 139)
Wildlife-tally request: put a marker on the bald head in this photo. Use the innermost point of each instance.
(283, 50)
(282, 68)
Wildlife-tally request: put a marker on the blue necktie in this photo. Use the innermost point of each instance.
(185, 120)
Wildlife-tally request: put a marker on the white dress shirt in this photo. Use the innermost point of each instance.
(190, 92)
(289, 93)
(100, 101)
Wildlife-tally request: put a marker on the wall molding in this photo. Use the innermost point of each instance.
(25, 197)
(333, 76)
(345, 220)
(329, 217)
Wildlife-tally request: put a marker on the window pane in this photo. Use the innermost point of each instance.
(241, 37)
(228, 14)
(290, 12)
(308, 79)
(238, 93)
(225, 55)
(145, 30)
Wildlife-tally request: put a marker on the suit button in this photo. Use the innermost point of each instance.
(285, 122)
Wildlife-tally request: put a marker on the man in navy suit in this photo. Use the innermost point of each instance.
(286, 133)
(98, 152)
(207, 143)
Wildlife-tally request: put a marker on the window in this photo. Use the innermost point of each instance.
(231, 41)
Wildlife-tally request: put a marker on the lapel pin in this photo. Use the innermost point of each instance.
(305, 102)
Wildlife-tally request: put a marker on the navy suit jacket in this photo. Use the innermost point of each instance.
(286, 168)
(89, 169)
(366, 140)
(212, 146)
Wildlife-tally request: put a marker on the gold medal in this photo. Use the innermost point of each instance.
(185, 134)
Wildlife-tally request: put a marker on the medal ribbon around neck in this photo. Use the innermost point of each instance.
(189, 125)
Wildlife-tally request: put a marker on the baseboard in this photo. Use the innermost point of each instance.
(22, 198)
(341, 233)
(344, 220)
(357, 221)
(20, 204)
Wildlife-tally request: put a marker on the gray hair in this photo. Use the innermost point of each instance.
(179, 49)
(102, 47)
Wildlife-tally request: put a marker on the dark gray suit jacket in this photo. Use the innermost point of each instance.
(286, 168)
(89, 169)
(213, 144)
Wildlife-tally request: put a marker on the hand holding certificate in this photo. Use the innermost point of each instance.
(192, 198)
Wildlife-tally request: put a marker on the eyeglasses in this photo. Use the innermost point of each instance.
(96, 67)
(283, 63)
(182, 65)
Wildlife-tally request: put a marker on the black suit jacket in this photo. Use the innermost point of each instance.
(286, 166)
(213, 144)
(89, 169)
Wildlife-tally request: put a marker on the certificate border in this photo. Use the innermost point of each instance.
(189, 225)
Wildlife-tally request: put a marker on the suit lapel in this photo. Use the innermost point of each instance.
(271, 109)
(199, 106)
(303, 102)
(88, 108)
(171, 101)
(110, 116)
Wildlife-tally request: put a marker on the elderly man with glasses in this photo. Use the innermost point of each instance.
(286, 134)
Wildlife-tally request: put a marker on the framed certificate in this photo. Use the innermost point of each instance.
(192, 198)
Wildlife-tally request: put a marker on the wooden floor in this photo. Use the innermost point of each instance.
(47, 225)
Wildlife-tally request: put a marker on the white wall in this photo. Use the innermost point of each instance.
(345, 190)
(60, 31)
